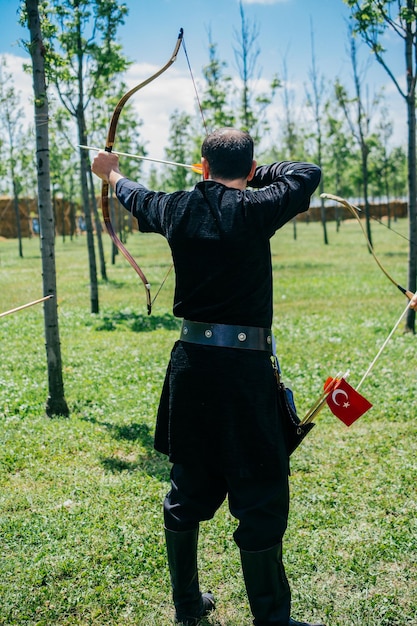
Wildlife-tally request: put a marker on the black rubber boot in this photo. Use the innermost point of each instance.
(190, 604)
(267, 586)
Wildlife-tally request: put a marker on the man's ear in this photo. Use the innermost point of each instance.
(252, 171)
(206, 168)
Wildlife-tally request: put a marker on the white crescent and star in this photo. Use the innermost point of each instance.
(335, 395)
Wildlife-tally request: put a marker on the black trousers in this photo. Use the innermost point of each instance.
(259, 504)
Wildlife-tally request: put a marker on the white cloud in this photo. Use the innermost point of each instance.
(174, 91)
(154, 104)
(157, 101)
(22, 82)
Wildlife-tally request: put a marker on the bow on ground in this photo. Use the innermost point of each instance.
(352, 209)
(105, 186)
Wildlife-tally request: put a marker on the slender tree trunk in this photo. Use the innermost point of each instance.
(362, 122)
(72, 212)
(82, 138)
(411, 70)
(64, 230)
(56, 404)
(98, 226)
(365, 187)
(114, 249)
(323, 214)
(17, 216)
(317, 84)
(412, 205)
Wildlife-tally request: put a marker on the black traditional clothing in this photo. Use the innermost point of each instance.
(218, 419)
(219, 238)
(219, 404)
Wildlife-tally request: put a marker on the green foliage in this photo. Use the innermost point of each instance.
(179, 151)
(368, 14)
(371, 19)
(216, 99)
(11, 127)
(81, 498)
(86, 36)
(226, 100)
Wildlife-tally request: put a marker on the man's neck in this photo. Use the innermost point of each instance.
(238, 183)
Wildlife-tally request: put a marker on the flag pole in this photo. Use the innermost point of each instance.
(368, 371)
(319, 404)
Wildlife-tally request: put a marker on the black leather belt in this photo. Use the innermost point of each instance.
(227, 336)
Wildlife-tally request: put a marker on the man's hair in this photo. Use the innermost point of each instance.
(229, 153)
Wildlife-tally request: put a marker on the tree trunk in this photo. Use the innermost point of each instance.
(114, 248)
(323, 214)
(82, 138)
(56, 404)
(412, 201)
(365, 178)
(17, 216)
(98, 226)
(412, 165)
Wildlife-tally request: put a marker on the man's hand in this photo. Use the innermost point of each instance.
(413, 302)
(106, 166)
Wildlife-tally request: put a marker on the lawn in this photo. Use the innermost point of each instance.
(81, 498)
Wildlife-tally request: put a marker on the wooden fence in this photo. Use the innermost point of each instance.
(69, 217)
(335, 211)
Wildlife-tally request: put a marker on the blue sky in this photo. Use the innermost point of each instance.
(285, 28)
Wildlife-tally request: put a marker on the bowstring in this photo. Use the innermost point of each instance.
(195, 87)
(378, 221)
(184, 47)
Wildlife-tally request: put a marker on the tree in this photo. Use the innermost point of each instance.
(11, 124)
(56, 404)
(28, 174)
(252, 110)
(85, 55)
(63, 169)
(399, 167)
(316, 100)
(358, 113)
(130, 142)
(381, 160)
(180, 149)
(290, 129)
(372, 18)
(339, 150)
(216, 100)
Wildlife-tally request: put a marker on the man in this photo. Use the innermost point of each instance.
(218, 420)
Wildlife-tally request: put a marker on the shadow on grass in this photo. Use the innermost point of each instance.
(137, 322)
(134, 432)
(154, 465)
(151, 462)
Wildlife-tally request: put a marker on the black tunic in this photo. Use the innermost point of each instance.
(219, 404)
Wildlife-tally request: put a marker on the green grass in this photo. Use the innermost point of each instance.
(81, 535)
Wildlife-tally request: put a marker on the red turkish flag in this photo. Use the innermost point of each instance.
(346, 403)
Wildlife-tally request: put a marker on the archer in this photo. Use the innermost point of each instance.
(218, 420)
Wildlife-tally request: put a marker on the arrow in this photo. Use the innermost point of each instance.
(196, 167)
(25, 306)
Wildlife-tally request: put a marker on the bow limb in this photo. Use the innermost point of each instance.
(355, 214)
(111, 135)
